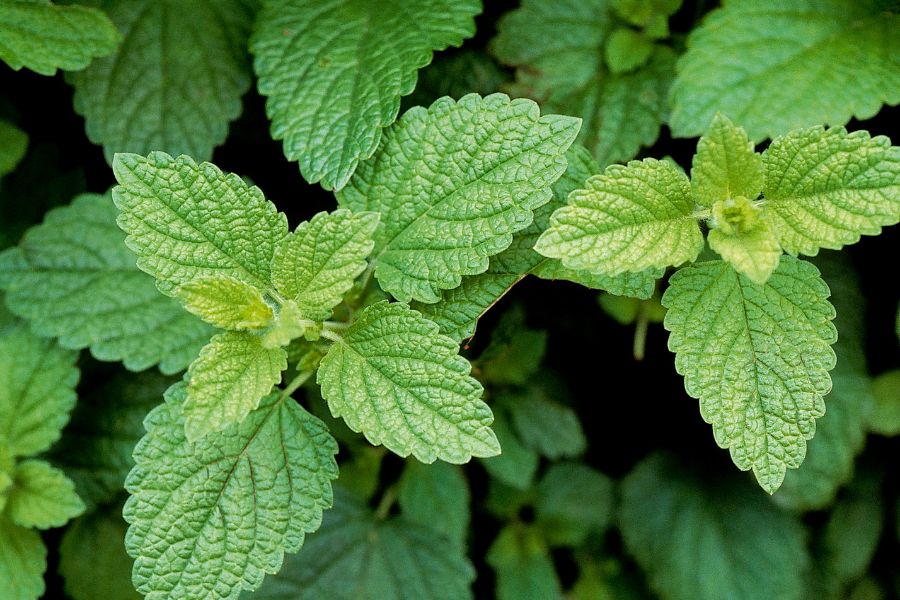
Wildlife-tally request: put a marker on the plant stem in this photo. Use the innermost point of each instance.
(386, 502)
(296, 382)
(640, 331)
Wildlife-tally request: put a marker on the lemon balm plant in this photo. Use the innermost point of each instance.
(300, 386)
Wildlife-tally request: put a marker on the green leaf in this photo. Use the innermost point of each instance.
(626, 50)
(542, 423)
(572, 502)
(826, 187)
(840, 434)
(885, 417)
(436, 496)
(699, 538)
(524, 568)
(774, 67)
(725, 165)
(23, 559)
(642, 12)
(43, 37)
(233, 372)
(96, 445)
(186, 221)
(442, 222)
(394, 378)
(226, 302)
(37, 390)
(742, 234)
(356, 556)
(853, 529)
(316, 265)
(334, 73)
(176, 81)
(627, 219)
(456, 74)
(558, 51)
(515, 351)
(13, 144)
(756, 356)
(41, 496)
(92, 558)
(516, 465)
(73, 277)
(209, 519)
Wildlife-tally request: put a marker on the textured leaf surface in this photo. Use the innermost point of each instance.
(316, 265)
(43, 37)
(96, 445)
(752, 250)
(523, 565)
(756, 356)
(459, 309)
(186, 221)
(355, 556)
(826, 187)
(725, 165)
(175, 82)
(73, 278)
(401, 383)
(773, 67)
(41, 496)
(23, 559)
(572, 502)
(436, 489)
(226, 302)
(334, 72)
(558, 49)
(92, 558)
(699, 538)
(841, 432)
(454, 183)
(233, 372)
(627, 219)
(13, 143)
(37, 390)
(211, 518)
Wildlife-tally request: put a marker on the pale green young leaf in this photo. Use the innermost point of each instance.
(233, 372)
(453, 184)
(523, 565)
(357, 556)
(885, 417)
(459, 309)
(626, 50)
(753, 251)
(756, 356)
(542, 422)
(630, 218)
(92, 558)
(317, 264)
(175, 82)
(774, 66)
(37, 390)
(226, 302)
(725, 164)
(96, 445)
(436, 496)
(23, 559)
(13, 144)
(334, 72)
(185, 221)
(642, 12)
(393, 377)
(516, 465)
(558, 51)
(41, 496)
(572, 502)
(706, 538)
(840, 434)
(43, 37)
(211, 518)
(826, 187)
(73, 278)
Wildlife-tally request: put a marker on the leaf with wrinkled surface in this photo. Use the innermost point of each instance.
(226, 302)
(211, 518)
(41, 496)
(725, 164)
(23, 559)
